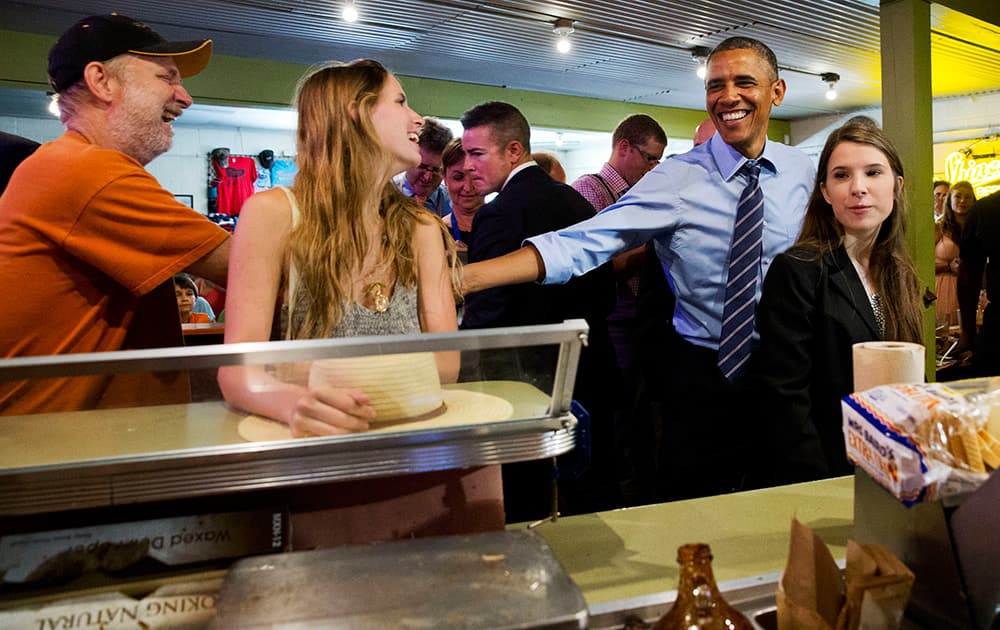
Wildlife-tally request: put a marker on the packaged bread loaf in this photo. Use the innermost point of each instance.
(925, 441)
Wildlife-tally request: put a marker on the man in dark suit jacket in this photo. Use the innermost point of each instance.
(980, 249)
(498, 159)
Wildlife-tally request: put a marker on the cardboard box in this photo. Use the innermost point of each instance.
(951, 550)
(60, 555)
(188, 606)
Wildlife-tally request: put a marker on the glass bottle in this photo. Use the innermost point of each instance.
(699, 605)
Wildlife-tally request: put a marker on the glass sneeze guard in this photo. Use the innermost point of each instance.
(100, 457)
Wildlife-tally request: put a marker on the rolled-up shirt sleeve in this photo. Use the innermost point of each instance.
(687, 205)
(644, 212)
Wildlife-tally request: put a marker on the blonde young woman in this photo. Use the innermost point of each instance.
(342, 253)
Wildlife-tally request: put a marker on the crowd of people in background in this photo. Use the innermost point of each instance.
(765, 267)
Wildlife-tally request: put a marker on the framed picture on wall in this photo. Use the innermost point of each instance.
(187, 200)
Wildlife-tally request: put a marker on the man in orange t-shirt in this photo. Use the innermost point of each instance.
(88, 237)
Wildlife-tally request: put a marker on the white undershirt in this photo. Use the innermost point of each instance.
(518, 169)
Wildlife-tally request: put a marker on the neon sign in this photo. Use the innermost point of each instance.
(983, 174)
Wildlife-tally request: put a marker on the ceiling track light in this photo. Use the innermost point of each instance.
(563, 27)
(831, 79)
(700, 56)
(350, 12)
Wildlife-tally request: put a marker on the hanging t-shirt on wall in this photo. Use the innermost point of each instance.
(283, 172)
(266, 160)
(263, 181)
(235, 183)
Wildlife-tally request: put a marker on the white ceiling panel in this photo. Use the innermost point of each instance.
(628, 50)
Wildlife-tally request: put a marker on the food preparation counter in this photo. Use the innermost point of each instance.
(107, 457)
(203, 334)
(627, 559)
(624, 561)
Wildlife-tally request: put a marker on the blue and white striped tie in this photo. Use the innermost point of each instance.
(741, 283)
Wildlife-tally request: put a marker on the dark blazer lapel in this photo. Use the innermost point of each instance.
(845, 280)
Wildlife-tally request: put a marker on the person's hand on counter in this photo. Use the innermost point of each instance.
(326, 410)
(318, 410)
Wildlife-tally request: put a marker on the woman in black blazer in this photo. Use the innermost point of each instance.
(848, 279)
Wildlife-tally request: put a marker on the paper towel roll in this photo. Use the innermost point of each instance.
(883, 362)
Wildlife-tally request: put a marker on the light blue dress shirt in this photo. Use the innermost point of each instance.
(437, 202)
(687, 205)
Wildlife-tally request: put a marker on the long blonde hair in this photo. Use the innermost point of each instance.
(344, 173)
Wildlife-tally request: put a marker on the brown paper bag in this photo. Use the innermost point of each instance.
(878, 588)
(809, 594)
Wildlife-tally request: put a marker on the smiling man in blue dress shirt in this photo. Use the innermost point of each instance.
(687, 207)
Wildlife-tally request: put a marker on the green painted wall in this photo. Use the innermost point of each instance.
(23, 59)
(451, 99)
(907, 118)
(253, 82)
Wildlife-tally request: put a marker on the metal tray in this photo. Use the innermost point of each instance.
(497, 580)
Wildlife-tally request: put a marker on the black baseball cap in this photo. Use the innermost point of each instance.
(101, 37)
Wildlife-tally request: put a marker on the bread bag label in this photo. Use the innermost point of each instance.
(900, 436)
